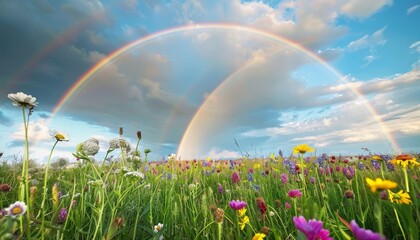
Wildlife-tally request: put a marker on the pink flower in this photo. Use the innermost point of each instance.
(312, 229)
(363, 234)
(287, 205)
(235, 177)
(237, 205)
(295, 193)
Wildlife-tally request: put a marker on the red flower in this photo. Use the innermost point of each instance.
(261, 205)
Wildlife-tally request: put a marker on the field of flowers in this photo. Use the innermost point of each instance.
(282, 197)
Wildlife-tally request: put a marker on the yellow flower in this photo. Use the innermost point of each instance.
(380, 184)
(376, 157)
(259, 236)
(400, 197)
(404, 160)
(257, 166)
(243, 222)
(241, 212)
(302, 149)
(55, 196)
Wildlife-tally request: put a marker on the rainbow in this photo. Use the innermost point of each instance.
(225, 27)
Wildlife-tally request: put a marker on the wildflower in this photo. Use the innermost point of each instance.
(302, 149)
(235, 177)
(405, 160)
(218, 214)
(138, 135)
(348, 172)
(295, 193)
(261, 205)
(384, 195)
(380, 184)
(348, 194)
(158, 227)
(244, 220)
(284, 178)
(16, 209)
(259, 236)
(237, 205)
(171, 156)
(399, 197)
(219, 188)
(287, 205)
(62, 216)
(250, 177)
(114, 143)
(90, 146)
(312, 180)
(134, 174)
(55, 194)
(59, 136)
(4, 187)
(312, 228)
(257, 166)
(363, 234)
(21, 99)
(271, 213)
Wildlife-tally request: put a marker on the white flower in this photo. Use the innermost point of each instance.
(21, 99)
(271, 213)
(16, 209)
(59, 136)
(134, 174)
(158, 227)
(161, 237)
(114, 143)
(171, 157)
(90, 146)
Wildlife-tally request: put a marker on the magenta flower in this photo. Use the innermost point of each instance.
(237, 205)
(287, 205)
(312, 229)
(284, 178)
(235, 177)
(295, 193)
(363, 234)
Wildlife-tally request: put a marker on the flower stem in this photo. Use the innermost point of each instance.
(24, 191)
(219, 230)
(44, 195)
(399, 223)
(407, 185)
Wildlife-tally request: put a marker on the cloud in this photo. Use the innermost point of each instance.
(368, 41)
(415, 47)
(4, 120)
(363, 9)
(216, 153)
(412, 9)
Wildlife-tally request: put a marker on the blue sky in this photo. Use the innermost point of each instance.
(271, 95)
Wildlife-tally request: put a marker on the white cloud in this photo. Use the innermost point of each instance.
(415, 46)
(412, 9)
(37, 131)
(362, 8)
(368, 41)
(216, 153)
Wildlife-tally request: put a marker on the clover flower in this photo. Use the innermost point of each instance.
(284, 178)
(363, 234)
(134, 174)
(90, 146)
(21, 99)
(261, 205)
(16, 209)
(62, 216)
(4, 187)
(312, 229)
(235, 177)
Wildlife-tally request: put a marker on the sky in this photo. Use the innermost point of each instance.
(216, 78)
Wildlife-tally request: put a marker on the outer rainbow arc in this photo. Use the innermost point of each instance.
(229, 27)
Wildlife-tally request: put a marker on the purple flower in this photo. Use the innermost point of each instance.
(312, 180)
(62, 216)
(237, 205)
(250, 177)
(363, 234)
(312, 229)
(235, 177)
(284, 178)
(295, 193)
(348, 172)
(219, 188)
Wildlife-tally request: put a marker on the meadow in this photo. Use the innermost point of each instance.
(302, 196)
